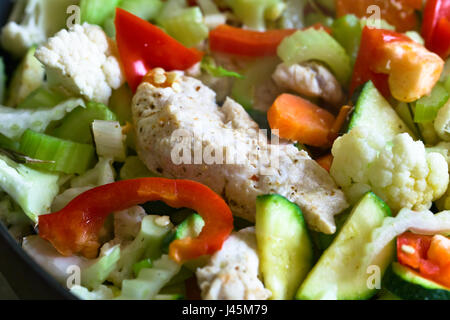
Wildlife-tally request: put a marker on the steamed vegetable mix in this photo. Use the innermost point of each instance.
(230, 149)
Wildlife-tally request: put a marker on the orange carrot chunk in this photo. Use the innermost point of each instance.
(299, 120)
(325, 161)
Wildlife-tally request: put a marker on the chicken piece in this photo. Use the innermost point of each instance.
(233, 272)
(310, 79)
(182, 133)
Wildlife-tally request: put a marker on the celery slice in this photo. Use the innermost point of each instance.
(95, 274)
(186, 25)
(42, 98)
(427, 107)
(134, 168)
(347, 31)
(109, 140)
(144, 9)
(312, 44)
(76, 126)
(66, 156)
(253, 13)
(97, 11)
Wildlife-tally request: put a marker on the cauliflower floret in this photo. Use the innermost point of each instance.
(233, 272)
(84, 60)
(402, 173)
(310, 79)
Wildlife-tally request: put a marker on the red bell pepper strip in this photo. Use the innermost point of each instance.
(250, 43)
(436, 26)
(75, 228)
(143, 46)
(370, 56)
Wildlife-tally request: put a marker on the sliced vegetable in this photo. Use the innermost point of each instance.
(405, 112)
(98, 271)
(436, 27)
(76, 126)
(284, 245)
(68, 231)
(244, 42)
(28, 76)
(401, 13)
(427, 107)
(409, 285)
(325, 161)
(373, 111)
(253, 13)
(97, 11)
(213, 16)
(293, 16)
(63, 155)
(150, 280)
(347, 31)
(109, 139)
(134, 168)
(313, 44)
(144, 9)
(143, 264)
(342, 271)
(42, 97)
(14, 122)
(143, 46)
(299, 120)
(184, 24)
(24, 185)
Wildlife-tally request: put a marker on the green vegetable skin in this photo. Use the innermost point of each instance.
(25, 186)
(95, 274)
(409, 285)
(347, 31)
(97, 11)
(67, 156)
(427, 107)
(284, 245)
(312, 44)
(183, 23)
(42, 98)
(254, 13)
(341, 272)
(76, 126)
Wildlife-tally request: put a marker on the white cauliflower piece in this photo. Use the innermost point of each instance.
(173, 120)
(233, 272)
(310, 79)
(127, 223)
(84, 60)
(402, 173)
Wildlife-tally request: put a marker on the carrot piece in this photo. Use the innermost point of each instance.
(325, 161)
(439, 251)
(339, 123)
(299, 120)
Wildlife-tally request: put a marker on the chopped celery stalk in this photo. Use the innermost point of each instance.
(293, 15)
(101, 293)
(315, 17)
(415, 36)
(102, 173)
(42, 98)
(28, 76)
(427, 107)
(243, 90)
(186, 25)
(406, 114)
(32, 190)
(96, 273)
(97, 11)
(144, 9)
(147, 244)
(447, 84)
(76, 126)
(143, 264)
(347, 31)
(63, 155)
(134, 168)
(2, 80)
(209, 65)
(312, 44)
(150, 281)
(253, 13)
(109, 139)
(14, 122)
(376, 23)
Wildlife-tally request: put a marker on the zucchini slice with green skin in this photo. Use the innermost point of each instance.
(409, 285)
(374, 112)
(342, 271)
(284, 245)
